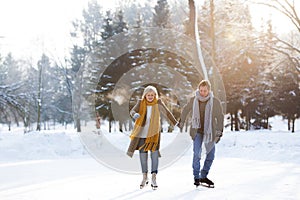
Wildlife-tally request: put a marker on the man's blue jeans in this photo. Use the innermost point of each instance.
(210, 156)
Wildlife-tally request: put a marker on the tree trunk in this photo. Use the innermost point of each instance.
(78, 126)
(9, 126)
(247, 121)
(38, 126)
(109, 126)
(191, 25)
(231, 121)
(236, 121)
(213, 44)
(121, 126)
(77, 102)
(16, 119)
(186, 125)
(293, 124)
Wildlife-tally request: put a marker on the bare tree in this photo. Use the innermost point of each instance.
(289, 9)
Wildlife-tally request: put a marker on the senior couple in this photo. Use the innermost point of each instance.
(206, 130)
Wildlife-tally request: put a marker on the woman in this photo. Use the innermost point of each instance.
(146, 132)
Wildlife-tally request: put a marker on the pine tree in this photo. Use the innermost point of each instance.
(161, 16)
(287, 94)
(108, 28)
(113, 26)
(87, 37)
(290, 10)
(119, 24)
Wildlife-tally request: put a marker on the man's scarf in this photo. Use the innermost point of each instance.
(208, 115)
(152, 139)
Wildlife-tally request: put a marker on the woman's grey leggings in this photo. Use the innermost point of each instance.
(144, 159)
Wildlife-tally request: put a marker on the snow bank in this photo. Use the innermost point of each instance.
(36, 145)
(263, 145)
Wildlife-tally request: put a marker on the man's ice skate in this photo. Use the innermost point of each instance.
(206, 183)
(196, 182)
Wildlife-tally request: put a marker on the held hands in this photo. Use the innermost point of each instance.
(219, 134)
(136, 116)
(179, 124)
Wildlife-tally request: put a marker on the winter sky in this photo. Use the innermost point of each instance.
(31, 27)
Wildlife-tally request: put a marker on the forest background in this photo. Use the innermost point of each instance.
(259, 67)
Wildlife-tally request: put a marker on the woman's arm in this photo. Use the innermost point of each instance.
(135, 108)
(166, 112)
(185, 111)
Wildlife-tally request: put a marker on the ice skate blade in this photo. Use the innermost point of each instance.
(208, 186)
(142, 186)
(154, 187)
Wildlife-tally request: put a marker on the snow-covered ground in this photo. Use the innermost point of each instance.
(53, 164)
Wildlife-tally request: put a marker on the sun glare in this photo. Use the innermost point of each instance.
(261, 14)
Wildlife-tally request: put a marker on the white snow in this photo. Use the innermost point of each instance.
(53, 164)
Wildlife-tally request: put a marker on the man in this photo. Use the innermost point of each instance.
(206, 129)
